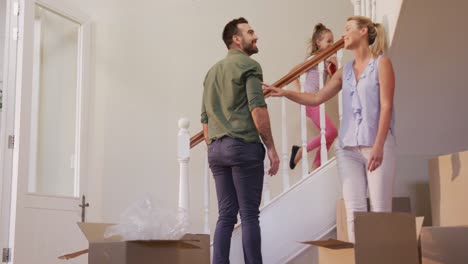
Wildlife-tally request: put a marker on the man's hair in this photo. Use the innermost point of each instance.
(231, 29)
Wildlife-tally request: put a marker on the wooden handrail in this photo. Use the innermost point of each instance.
(288, 78)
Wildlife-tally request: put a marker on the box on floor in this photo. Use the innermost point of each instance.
(449, 188)
(384, 238)
(447, 240)
(399, 204)
(191, 248)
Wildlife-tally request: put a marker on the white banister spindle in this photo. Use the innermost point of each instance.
(323, 139)
(369, 9)
(305, 163)
(207, 194)
(184, 158)
(284, 145)
(357, 7)
(374, 10)
(339, 59)
(363, 8)
(266, 183)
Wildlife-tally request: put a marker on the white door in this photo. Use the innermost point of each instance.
(49, 157)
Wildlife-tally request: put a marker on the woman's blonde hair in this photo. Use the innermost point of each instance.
(376, 34)
(319, 29)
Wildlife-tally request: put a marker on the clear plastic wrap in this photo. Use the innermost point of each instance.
(145, 220)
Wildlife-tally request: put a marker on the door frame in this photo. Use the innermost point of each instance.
(8, 116)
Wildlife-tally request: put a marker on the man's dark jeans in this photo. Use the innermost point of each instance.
(238, 171)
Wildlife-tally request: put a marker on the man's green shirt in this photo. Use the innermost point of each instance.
(232, 89)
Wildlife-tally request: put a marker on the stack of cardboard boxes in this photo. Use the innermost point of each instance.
(398, 237)
(447, 240)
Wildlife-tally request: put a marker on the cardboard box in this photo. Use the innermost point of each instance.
(399, 204)
(334, 251)
(449, 187)
(384, 238)
(190, 249)
(441, 245)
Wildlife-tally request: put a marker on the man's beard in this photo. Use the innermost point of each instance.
(250, 48)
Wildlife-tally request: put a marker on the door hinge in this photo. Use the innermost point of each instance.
(6, 256)
(11, 141)
(16, 8)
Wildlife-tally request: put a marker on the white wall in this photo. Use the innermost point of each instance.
(149, 62)
(429, 53)
(429, 57)
(387, 13)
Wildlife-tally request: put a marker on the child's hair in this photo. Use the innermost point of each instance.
(317, 35)
(376, 34)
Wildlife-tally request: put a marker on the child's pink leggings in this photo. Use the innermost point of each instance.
(313, 112)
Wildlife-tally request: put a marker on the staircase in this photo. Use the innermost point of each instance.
(309, 204)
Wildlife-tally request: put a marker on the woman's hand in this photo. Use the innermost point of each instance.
(275, 91)
(376, 158)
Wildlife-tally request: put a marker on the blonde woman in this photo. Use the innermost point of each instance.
(366, 149)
